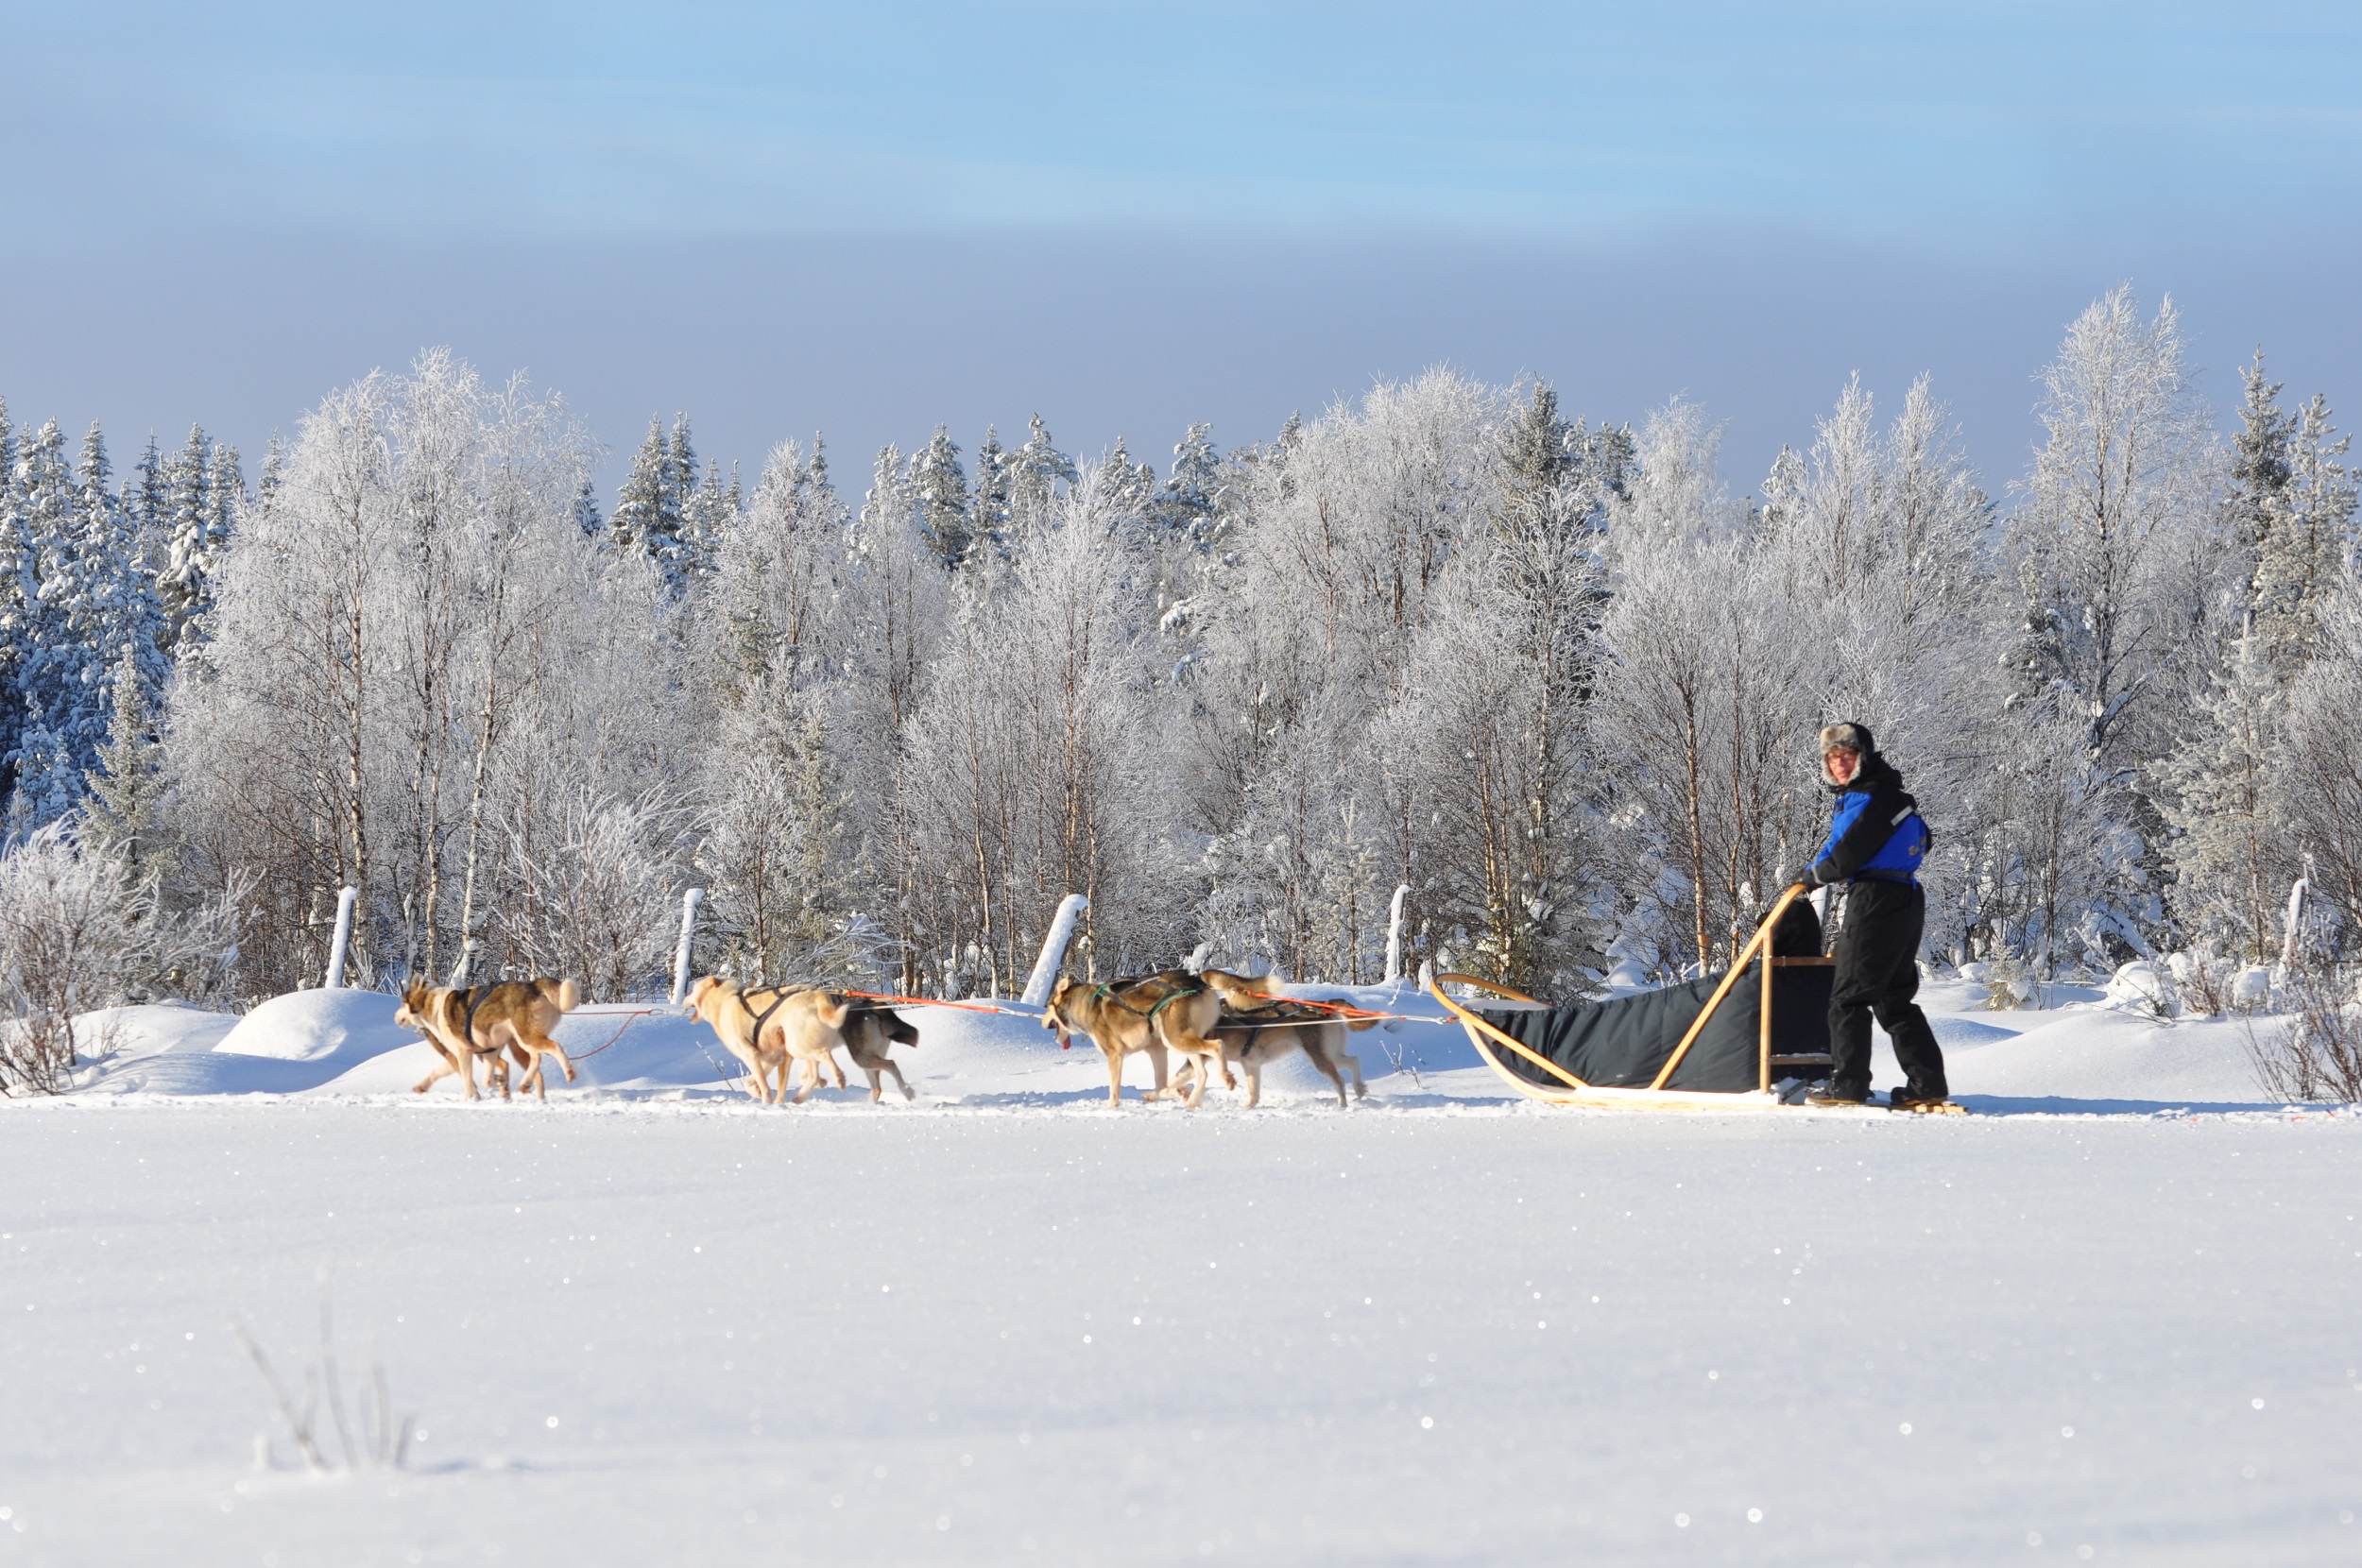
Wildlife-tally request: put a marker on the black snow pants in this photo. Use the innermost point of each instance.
(1877, 971)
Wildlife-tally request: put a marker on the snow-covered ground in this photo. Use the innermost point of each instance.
(654, 1321)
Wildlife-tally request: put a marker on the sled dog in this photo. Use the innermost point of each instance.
(868, 1032)
(485, 1020)
(771, 1027)
(1171, 1010)
(1255, 1045)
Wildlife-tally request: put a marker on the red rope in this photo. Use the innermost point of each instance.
(630, 1019)
(930, 1001)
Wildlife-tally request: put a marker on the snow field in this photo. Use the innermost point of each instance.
(655, 1321)
(696, 1333)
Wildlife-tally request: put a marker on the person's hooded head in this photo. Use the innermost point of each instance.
(1846, 749)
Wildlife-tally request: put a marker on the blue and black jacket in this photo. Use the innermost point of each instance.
(1877, 833)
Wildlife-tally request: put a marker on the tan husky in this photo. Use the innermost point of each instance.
(771, 1027)
(1172, 1010)
(868, 1032)
(1255, 1045)
(485, 1021)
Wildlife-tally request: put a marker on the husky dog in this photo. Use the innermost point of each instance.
(868, 1032)
(485, 1020)
(1171, 1010)
(770, 1026)
(1255, 1045)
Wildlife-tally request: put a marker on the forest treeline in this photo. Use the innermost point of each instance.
(1557, 677)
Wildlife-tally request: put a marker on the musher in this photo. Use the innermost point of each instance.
(1877, 841)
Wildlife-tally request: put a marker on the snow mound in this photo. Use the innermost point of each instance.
(2114, 1059)
(1957, 1033)
(320, 1026)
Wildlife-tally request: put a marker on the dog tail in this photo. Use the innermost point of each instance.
(569, 996)
(834, 1009)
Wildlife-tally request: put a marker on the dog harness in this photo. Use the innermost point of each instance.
(755, 1035)
(1106, 992)
(473, 999)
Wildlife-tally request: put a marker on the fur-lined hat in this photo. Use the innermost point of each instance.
(1848, 737)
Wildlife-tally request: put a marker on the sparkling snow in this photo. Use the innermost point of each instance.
(2117, 1316)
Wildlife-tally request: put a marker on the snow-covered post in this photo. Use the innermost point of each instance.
(689, 902)
(2293, 928)
(1393, 934)
(1053, 949)
(342, 943)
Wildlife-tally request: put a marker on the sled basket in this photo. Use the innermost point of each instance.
(1711, 1043)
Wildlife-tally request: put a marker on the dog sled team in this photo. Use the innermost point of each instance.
(1217, 1023)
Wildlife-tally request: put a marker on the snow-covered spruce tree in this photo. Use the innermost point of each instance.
(587, 514)
(126, 790)
(2255, 501)
(649, 510)
(1127, 489)
(2111, 521)
(938, 488)
(1037, 473)
(1190, 506)
(708, 509)
(2303, 556)
(94, 600)
(203, 490)
(988, 504)
(2230, 860)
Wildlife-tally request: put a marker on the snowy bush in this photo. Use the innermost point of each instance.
(78, 932)
(2142, 986)
(2317, 1053)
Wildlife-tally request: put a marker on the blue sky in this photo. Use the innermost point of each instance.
(874, 218)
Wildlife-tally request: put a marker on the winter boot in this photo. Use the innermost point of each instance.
(1830, 1093)
(1909, 1099)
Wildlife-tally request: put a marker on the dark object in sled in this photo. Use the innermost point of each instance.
(1763, 1021)
(1625, 1042)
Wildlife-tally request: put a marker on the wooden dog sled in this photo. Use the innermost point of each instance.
(1679, 1048)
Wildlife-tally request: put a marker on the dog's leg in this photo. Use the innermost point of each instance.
(1115, 1075)
(877, 1084)
(1328, 1069)
(542, 1045)
(1254, 1082)
(812, 1079)
(443, 1068)
(900, 1082)
(1155, 1049)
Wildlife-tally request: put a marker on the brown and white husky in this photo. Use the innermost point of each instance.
(485, 1021)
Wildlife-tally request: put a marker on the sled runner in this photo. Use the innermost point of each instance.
(1709, 1045)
